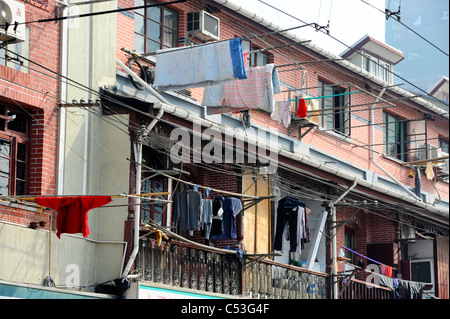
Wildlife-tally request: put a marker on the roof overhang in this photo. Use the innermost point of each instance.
(372, 46)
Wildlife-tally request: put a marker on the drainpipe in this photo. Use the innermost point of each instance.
(333, 240)
(63, 96)
(372, 135)
(137, 146)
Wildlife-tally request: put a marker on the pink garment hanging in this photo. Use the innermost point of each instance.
(72, 215)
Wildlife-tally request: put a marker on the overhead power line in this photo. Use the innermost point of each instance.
(95, 13)
(399, 21)
(354, 50)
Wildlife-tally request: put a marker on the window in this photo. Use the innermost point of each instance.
(14, 127)
(255, 58)
(335, 113)
(155, 28)
(378, 68)
(349, 240)
(152, 210)
(443, 145)
(153, 183)
(394, 136)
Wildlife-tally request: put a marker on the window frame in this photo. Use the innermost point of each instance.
(350, 242)
(379, 68)
(253, 58)
(336, 106)
(150, 208)
(162, 27)
(16, 138)
(399, 132)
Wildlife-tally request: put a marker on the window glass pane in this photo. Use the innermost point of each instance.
(444, 146)
(18, 122)
(145, 209)
(4, 166)
(21, 152)
(261, 59)
(154, 13)
(4, 185)
(373, 68)
(139, 3)
(170, 19)
(153, 31)
(20, 174)
(139, 24)
(20, 188)
(139, 43)
(170, 38)
(152, 46)
(327, 105)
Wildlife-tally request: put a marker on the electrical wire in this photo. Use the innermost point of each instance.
(354, 50)
(410, 29)
(6, 26)
(212, 168)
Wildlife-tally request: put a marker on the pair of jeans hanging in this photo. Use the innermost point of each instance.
(287, 214)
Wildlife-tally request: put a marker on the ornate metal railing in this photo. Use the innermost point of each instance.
(180, 265)
(268, 279)
(357, 289)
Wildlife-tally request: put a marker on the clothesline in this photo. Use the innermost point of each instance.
(197, 185)
(30, 199)
(324, 97)
(242, 38)
(377, 262)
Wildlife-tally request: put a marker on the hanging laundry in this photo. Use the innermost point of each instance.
(72, 214)
(312, 107)
(282, 112)
(386, 270)
(257, 91)
(188, 209)
(418, 183)
(217, 224)
(231, 208)
(290, 220)
(206, 217)
(302, 111)
(183, 68)
(429, 172)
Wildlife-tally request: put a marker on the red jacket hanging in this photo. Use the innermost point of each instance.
(302, 109)
(72, 211)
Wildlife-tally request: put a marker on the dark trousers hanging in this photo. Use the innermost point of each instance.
(284, 216)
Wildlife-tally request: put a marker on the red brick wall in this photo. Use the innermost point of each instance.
(36, 92)
(233, 25)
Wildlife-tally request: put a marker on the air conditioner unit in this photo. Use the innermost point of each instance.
(12, 18)
(408, 232)
(203, 26)
(433, 151)
(444, 165)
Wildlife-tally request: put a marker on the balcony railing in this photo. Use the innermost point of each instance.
(180, 265)
(357, 289)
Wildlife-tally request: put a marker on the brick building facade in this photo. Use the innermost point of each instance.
(318, 160)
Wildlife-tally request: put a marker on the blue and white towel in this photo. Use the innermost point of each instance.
(203, 65)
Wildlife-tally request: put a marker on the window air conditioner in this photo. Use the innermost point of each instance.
(12, 18)
(203, 26)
